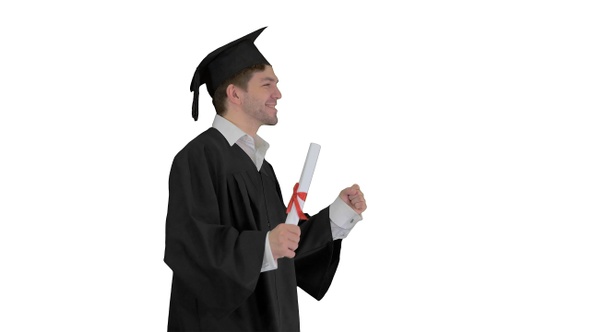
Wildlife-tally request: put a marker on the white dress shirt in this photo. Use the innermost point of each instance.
(342, 217)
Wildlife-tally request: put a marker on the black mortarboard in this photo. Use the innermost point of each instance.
(225, 62)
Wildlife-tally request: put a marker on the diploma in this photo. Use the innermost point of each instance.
(295, 207)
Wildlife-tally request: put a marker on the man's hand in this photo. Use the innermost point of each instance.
(354, 197)
(284, 239)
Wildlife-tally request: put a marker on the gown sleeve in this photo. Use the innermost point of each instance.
(216, 263)
(317, 256)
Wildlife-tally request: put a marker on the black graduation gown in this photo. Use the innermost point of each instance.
(220, 209)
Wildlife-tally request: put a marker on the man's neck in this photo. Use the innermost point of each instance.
(247, 127)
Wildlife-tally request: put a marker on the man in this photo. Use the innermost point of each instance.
(236, 264)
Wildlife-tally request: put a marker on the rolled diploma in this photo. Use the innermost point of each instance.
(304, 181)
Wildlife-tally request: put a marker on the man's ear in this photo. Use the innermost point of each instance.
(234, 94)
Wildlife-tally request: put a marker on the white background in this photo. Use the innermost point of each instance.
(465, 123)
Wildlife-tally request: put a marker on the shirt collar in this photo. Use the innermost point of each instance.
(232, 133)
(229, 130)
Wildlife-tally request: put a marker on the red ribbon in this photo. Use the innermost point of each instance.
(295, 201)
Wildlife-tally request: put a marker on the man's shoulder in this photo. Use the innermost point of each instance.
(209, 136)
(209, 140)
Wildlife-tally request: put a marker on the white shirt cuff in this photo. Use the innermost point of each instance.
(268, 262)
(342, 219)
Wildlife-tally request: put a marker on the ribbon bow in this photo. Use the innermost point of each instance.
(295, 201)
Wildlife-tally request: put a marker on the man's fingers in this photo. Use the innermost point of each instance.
(285, 240)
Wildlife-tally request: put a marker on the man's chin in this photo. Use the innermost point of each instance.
(272, 121)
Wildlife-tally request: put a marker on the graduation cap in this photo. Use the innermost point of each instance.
(225, 62)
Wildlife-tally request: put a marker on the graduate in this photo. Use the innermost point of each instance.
(236, 264)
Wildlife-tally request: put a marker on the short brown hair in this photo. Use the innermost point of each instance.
(240, 80)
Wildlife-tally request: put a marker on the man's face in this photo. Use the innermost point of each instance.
(261, 98)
